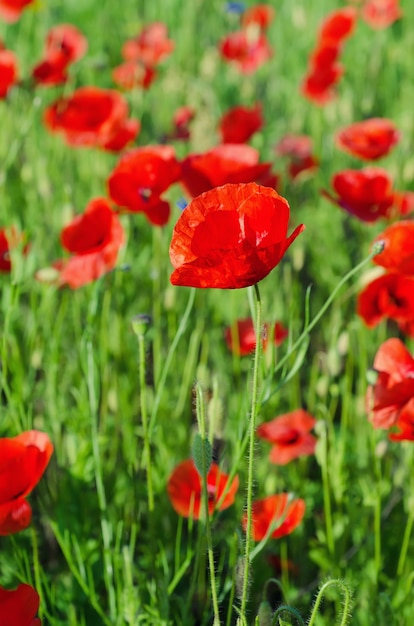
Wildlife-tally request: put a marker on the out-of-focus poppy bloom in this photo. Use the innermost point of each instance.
(226, 163)
(319, 82)
(94, 238)
(241, 338)
(23, 460)
(133, 74)
(269, 179)
(325, 54)
(404, 426)
(8, 71)
(280, 512)
(18, 607)
(394, 387)
(370, 139)
(139, 179)
(9, 239)
(398, 252)
(185, 489)
(299, 149)
(89, 117)
(289, 435)
(381, 13)
(65, 44)
(230, 237)
(11, 10)
(338, 25)
(125, 134)
(246, 50)
(390, 296)
(403, 203)
(181, 120)
(260, 15)
(240, 123)
(150, 47)
(367, 193)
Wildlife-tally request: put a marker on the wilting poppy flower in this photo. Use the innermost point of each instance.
(367, 193)
(404, 426)
(150, 47)
(23, 460)
(289, 435)
(185, 489)
(133, 74)
(230, 237)
(259, 15)
(11, 10)
(241, 338)
(65, 44)
(280, 512)
(390, 296)
(139, 179)
(370, 139)
(247, 51)
(89, 117)
(338, 25)
(394, 387)
(381, 13)
(240, 123)
(398, 252)
(226, 163)
(8, 71)
(18, 607)
(9, 239)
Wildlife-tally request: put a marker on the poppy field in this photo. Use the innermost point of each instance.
(207, 313)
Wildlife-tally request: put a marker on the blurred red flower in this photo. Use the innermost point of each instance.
(241, 338)
(65, 44)
(8, 71)
(89, 117)
(318, 83)
(18, 607)
(230, 237)
(370, 139)
(280, 512)
(185, 489)
(398, 253)
(139, 179)
(338, 25)
(403, 203)
(226, 163)
(9, 239)
(238, 124)
(299, 149)
(394, 387)
(260, 15)
(381, 13)
(23, 460)
(390, 296)
(149, 47)
(133, 74)
(94, 238)
(289, 435)
(404, 426)
(181, 120)
(11, 10)
(246, 50)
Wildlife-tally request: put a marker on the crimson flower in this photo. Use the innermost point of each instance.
(131, 74)
(149, 47)
(280, 512)
(8, 71)
(338, 25)
(185, 489)
(240, 123)
(141, 177)
(230, 237)
(389, 296)
(398, 252)
(403, 203)
(245, 50)
(11, 10)
(289, 435)
(23, 460)
(370, 139)
(299, 149)
(404, 426)
(381, 13)
(318, 83)
(241, 338)
(260, 15)
(9, 238)
(394, 388)
(18, 607)
(65, 44)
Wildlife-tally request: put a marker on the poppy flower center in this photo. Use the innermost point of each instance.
(288, 436)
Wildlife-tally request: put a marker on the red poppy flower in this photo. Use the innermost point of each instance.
(370, 139)
(133, 74)
(139, 179)
(150, 47)
(317, 86)
(185, 489)
(226, 163)
(398, 252)
(89, 117)
(403, 202)
(94, 238)
(280, 512)
(9, 239)
(18, 607)
(338, 25)
(240, 123)
(230, 237)
(389, 296)
(11, 10)
(381, 13)
(242, 339)
(295, 146)
(65, 44)
(394, 387)
(290, 436)
(247, 51)
(23, 460)
(8, 71)
(260, 15)
(367, 193)
(404, 426)
(325, 54)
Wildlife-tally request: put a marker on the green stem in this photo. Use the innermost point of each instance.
(144, 417)
(346, 600)
(405, 543)
(326, 493)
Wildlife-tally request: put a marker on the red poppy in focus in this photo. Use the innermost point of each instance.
(133, 74)
(247, 50)
(65, 44)
(11, 10)
(398, 252)
(226, 163)
(240, 123)
(370, 139)
(381, 13)
(23, 460)
(290, 436)
(389, 296)
(8, 71)
(394, 387)
(260, 15)
(150, 47)
(139, 179)
(9, 239)
(18, 607)
(338, 25)
(230, 237)
(241, 338)
(89, 117)
(280, 512)
(367, 193)
(185, 489)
